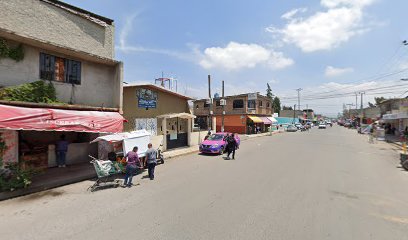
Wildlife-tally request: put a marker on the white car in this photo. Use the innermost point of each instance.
(322, 125)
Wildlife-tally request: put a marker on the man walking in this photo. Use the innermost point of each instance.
(133, 162)
(151, 159)
(232, 146)
(61, 149)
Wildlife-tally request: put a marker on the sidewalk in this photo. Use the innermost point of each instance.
(54, 177)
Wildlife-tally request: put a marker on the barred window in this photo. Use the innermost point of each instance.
(59, 69)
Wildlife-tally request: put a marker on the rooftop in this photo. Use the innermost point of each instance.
(79, 11)
(159, 88)
(233, 96)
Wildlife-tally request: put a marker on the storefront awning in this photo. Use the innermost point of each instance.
(272, 119)
(46, 119)
(255, 119)
(265, 120)
(395, 116)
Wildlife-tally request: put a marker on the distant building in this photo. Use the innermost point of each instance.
(244, 113)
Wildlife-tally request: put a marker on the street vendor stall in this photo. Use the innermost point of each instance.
(121, 143)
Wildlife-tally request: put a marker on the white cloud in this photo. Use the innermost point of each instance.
(237, 56)
(289, 15)
(350, 3)
(335, 72)
(324, 30)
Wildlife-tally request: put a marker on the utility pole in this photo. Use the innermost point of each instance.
(223, 107)
(294, 113)
(349, 106)
(210, 107)
(298, 90)
(361, 100)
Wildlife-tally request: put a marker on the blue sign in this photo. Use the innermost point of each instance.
(146, 98)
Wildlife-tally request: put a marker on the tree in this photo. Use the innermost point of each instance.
(276, 105)
(379, 100)
(371, 105)
(269, 93)
(287, 108)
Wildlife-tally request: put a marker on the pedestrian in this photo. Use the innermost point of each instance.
(232, 146)
(371, 135)
(151, 159)
(61, 150)
(226, 140)
(208, 135)
(133, 162)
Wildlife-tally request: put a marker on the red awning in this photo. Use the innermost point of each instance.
(45, 119)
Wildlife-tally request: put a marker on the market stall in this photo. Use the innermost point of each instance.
(33, 133)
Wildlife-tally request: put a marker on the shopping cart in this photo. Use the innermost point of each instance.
(105, 169)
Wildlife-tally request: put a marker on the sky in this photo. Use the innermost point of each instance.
(331, 49)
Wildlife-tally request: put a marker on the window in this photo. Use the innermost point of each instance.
(239, 103)
(251, 104)
(268, 104)
(59, 69)
(260, 103)
(206, 105)
(217, 103)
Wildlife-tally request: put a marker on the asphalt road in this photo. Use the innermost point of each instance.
(323, 184)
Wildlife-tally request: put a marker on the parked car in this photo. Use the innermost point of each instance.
(216, 144)
(291, 128)
(322, 125)
(329, 123)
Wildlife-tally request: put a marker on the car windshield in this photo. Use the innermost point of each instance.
(215, 137)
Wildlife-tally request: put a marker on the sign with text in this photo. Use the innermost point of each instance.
(146, 98)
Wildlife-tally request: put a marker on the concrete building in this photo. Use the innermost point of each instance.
(64, 44)
(73, 49)
(164, 113)
(244, 113)
(291, 113)
(394, 113)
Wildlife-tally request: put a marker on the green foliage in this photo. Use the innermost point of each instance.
(287, 108)
(3, 148)
(379, 100)
(269, 93)
(12, 177)
(276, 105)
(16, 54)
(36, 92)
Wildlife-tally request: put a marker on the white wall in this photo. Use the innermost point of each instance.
(197, 138)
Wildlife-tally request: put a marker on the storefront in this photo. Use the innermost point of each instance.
(395, 123)
(30, 134)
(255, 124)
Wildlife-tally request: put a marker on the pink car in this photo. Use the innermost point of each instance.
(216, 143)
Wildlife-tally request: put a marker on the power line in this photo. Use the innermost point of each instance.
(348, 93)
(355, 86)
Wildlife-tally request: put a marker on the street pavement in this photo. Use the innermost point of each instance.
(323, 184)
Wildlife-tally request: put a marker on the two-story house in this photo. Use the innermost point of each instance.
(244, 113)
(54, 42)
